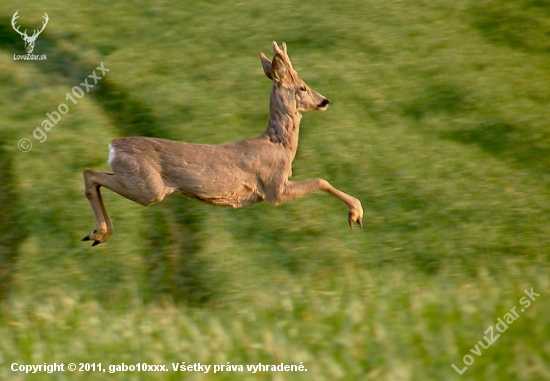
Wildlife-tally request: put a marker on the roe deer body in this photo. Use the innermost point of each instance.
(145, 170)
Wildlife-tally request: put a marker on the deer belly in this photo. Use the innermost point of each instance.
(235, 198)
(218, 187)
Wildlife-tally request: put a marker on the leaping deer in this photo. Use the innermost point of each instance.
(29, 40)
(145, 170)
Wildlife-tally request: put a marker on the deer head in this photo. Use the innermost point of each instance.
(288, 85)
(29, 40)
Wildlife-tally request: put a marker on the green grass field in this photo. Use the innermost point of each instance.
(438, 123)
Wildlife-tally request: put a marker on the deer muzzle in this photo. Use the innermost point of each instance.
(323, 105)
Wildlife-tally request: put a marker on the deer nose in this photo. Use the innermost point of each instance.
(324, 103)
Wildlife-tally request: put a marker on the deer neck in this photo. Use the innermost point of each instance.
(284, 125)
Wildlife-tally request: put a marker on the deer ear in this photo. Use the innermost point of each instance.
(278, 69)
(266, 64)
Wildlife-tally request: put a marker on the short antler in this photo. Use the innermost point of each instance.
(282, 52)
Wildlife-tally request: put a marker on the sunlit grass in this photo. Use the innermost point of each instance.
(438, 124)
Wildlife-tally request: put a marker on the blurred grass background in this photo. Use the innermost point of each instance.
(438, 123)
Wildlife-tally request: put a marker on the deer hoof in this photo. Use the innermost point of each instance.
(353, 217)
(87, 238)
(98, 236)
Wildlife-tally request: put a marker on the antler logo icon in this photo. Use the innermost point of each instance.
(29, 40)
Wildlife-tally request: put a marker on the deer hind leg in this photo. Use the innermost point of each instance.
(294, 190)
(103, 225)
(139, 193)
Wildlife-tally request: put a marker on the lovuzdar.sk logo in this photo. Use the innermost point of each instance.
(29, 40)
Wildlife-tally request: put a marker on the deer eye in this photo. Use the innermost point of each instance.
(303, 88)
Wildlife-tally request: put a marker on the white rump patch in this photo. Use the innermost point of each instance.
(111, 155)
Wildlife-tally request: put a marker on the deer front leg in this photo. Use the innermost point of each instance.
(294, 190)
